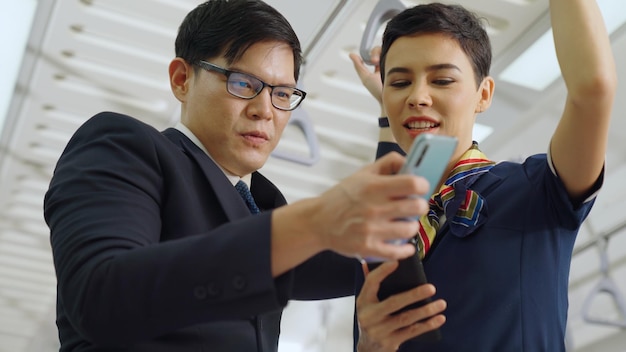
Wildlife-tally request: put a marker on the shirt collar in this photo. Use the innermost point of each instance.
(232, 178)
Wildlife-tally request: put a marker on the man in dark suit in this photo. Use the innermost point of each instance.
(154, 248)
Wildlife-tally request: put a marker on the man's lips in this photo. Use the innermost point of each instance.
(255, 136)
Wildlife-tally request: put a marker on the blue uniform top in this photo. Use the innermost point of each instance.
(506, 284)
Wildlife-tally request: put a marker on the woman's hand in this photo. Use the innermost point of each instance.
(379, 329)
(370, 79)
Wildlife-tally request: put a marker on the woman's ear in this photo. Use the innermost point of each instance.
(180, 78)
(486, 94)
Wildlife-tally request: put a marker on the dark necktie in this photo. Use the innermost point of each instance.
(244, 191)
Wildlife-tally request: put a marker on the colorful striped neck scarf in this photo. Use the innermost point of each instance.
(455, 202)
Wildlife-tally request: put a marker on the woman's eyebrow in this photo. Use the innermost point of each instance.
(437, 67)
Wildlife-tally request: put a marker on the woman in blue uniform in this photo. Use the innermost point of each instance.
(499, 247)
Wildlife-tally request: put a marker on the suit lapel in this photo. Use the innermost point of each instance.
(265, 193)
(234, 207)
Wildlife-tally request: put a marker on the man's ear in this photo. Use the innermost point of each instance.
(180, 78)
(485, 89)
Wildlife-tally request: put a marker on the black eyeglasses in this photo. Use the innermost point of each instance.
(245, 86)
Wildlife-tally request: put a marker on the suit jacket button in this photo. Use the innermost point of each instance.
(200, 292)
(213, 290)
(239, 283)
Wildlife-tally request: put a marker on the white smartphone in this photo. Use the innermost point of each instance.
(428, 157)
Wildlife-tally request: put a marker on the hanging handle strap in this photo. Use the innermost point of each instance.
(301, 120)
(383, 12)
(606, 285)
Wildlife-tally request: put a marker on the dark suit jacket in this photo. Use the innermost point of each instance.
(154, 249)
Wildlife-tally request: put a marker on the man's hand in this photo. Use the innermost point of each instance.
(360, 215)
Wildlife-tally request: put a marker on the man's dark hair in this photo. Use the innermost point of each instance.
(230, 27)
(452, 20)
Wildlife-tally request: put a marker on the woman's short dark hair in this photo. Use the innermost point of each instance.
(230, 27)
(452, 20)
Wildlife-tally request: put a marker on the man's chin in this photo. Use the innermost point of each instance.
(249, 164)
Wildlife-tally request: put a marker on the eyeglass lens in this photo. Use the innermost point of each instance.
(245, 86)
